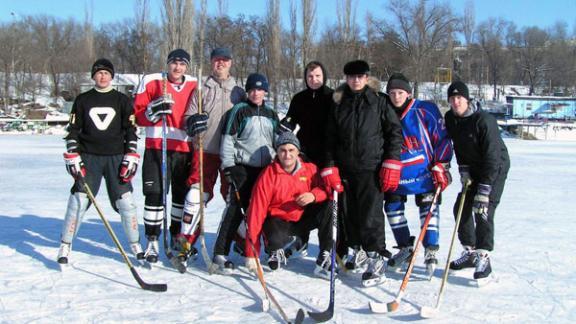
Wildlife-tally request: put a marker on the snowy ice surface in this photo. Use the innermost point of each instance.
(533, 262)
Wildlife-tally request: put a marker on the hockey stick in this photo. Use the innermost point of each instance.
(329, 312)
(203, 249)
(429, 312)
(142, 283)
(393, 305)
(260, 271)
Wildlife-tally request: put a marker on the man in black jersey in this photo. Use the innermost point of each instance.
(101, 142)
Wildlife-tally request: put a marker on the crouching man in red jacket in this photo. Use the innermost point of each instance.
(288, 201)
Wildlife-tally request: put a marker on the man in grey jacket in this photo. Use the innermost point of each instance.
(219, 94)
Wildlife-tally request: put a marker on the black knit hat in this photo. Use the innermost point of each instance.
(102, 64)
(287, 138)
(178, 55)
(398, 81)
(256, 81)
(356, 67)
(458, 88)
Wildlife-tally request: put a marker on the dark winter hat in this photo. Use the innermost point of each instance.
(287, 138)
(398, 81)
(256, 81)
(356, 67)
(221, 52)
(102, 64)
(458, 88)
(178, 55)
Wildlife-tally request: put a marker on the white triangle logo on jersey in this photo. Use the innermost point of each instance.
(102, 117)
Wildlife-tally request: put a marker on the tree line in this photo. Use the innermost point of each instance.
(427, 41)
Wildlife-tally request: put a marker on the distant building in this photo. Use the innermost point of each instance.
(542, 107)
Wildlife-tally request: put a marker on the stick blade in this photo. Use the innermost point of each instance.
(428, 312)
(299, 316)
(322, 316)
(378, 308)
(147, 286)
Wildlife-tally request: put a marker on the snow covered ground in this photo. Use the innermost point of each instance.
(534, 258)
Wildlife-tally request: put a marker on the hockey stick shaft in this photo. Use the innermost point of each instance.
(456, 226)
(259, 269)
(392, 306)
(143, 285)
(203, 248)
(329, 312)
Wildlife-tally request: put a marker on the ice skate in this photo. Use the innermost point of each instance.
(483, 271)
(276, 258)
(468, 259)
(151, 253)
(63, 253)
(356, 261)
(296, 248)
(374, 275)
(400, 258)
(221, 265)
(323, 265)
(430, 260)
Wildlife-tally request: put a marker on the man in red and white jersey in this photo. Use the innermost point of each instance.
(165, 95)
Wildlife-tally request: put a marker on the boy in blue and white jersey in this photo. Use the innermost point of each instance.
(426, 154)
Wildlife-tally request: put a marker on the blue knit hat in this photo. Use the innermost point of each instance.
(256, 81)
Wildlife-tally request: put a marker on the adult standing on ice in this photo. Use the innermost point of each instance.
(101, 142)
(482, 158)
(426, 155)
(219, 93)
(363, 141)
(165, 96)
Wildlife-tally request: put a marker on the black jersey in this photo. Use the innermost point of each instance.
(102, 123)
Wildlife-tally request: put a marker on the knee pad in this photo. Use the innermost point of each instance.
(78, 203)
(127, 210)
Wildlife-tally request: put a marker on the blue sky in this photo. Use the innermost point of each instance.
(523, 12)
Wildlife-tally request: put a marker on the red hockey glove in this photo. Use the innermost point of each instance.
(441, 176)
(331, 178)
(74, 165)
(129, 166)
(390, 175)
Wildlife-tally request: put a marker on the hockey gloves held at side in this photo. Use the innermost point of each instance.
(390, 175)
(196, 124)
(158, 107)
(74, 165)
(441, 176)
(129, 166)
(331, 178)
(482, 200)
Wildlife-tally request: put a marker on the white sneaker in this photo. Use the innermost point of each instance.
(64, 252)
(137, 250)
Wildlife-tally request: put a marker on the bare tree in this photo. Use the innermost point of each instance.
(274, 54)
(178, 24)
(490, 37)
(308, 24)
(422, 28)
(530, 47)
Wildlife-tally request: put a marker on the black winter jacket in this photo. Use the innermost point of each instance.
(478, 144)
(362, 130)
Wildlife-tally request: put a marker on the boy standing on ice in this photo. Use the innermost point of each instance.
(482, 158)
(426, 155)
(101, 142)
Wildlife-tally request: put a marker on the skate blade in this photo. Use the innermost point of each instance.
(430, 269)
(373, 282)
(64, 267)
(428, 312)
(483, 282)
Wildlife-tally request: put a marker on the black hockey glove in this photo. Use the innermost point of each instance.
(286, 125)
(196, 124)
(235, 175)
(158, 107)
(482, 200)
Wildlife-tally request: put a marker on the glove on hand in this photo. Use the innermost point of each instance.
(481, 200)
(235, 175)
(464, 171)
(441, 176)
(158, 107)
(251, 265)
(331, 178)
(286, 125)
(196, 124)
(390, 175)
(129, 166)
(74, 165)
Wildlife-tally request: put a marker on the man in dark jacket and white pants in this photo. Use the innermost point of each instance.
(363, 141)
(482, 158)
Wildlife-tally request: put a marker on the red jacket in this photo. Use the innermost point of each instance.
(151, 88)
(274, 195)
